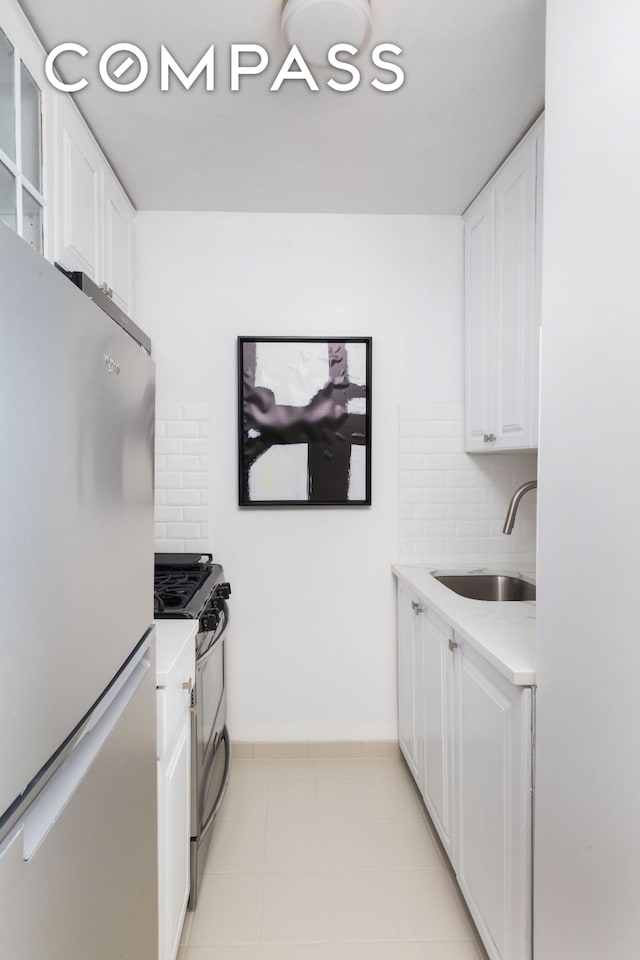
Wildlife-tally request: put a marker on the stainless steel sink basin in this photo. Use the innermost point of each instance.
(488, 586)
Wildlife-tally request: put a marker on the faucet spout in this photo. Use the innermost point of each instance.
(515, 503)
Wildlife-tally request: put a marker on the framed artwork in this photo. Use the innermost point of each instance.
(304, 421)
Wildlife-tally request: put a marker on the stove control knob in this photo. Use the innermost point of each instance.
(223, 590)
(209, 621)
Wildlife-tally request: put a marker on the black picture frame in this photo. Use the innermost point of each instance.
(330, 424)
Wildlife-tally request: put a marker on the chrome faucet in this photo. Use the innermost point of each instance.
(515, 503)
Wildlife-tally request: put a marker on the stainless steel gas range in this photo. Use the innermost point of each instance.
(192, 587)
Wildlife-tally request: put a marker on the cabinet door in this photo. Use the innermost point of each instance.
(174, 779)
(118, 247)
(437, 674)
(407, 681)
(493, 849)
(479, 314)
(77, 188)
(516, 329)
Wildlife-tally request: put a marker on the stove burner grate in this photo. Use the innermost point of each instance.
(174, 589)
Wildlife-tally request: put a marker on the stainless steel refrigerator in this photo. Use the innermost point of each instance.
(78, 861)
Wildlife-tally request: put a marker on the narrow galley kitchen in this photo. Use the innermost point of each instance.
(326, 858)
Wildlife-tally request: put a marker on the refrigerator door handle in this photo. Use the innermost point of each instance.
(52, 800)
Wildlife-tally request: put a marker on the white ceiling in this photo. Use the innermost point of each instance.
(475, 82)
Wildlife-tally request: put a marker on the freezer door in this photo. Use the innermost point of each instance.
(78, 876)
(76, 507)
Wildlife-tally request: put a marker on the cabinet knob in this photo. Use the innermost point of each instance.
(489, 437)
(417, 609)
(188, 685)
(453, 645)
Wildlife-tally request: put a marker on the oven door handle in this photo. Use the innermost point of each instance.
(204, 656)
(206, 827)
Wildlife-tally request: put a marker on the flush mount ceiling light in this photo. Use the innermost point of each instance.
(316, 25)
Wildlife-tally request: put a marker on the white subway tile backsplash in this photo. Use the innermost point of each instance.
(431, 445)
(197, 546)
(411, 461)
(439, 495)
(195, 513)
(183, 498)
(472, 528)
(183, 530)
(166, 480)
(183, 463)
(452, 504)
(472, 495)
(430, 511)
(196, 411)
(463, 478)
(165, 445)
(194, 446)
(411, 494)
(171, 546)
(182, 428)
(197, 480)
(170, 514)
(182, 477)
(411, 528)
(465, 511)
(168, 411)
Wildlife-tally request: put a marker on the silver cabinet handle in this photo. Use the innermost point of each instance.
(188, 685)
(417, 609)
(453, 645)
(489, 437)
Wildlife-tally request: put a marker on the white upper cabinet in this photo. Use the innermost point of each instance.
(118, 217)
(57, 189)
(22, 191)
(94, 217)
(78, 194)
(502, 254)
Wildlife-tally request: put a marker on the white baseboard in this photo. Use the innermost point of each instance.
(303, 749)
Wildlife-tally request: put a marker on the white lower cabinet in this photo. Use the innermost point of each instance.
(174, 797)
(466, 734)
(437, 729)
(493, 819)
(407, 679)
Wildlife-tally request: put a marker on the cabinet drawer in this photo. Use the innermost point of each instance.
(175, 699)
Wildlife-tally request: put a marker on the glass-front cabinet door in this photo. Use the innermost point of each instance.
(21, 196)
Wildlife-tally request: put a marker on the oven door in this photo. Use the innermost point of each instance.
(211, 755)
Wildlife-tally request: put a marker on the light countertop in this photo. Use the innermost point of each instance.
(171, 637)
(503, 633)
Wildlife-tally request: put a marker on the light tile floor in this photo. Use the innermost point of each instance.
(326, 859)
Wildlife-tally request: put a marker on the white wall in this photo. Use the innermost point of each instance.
(312, 655)
(588, 662)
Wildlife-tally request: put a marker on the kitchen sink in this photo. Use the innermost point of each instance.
(487, 586)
